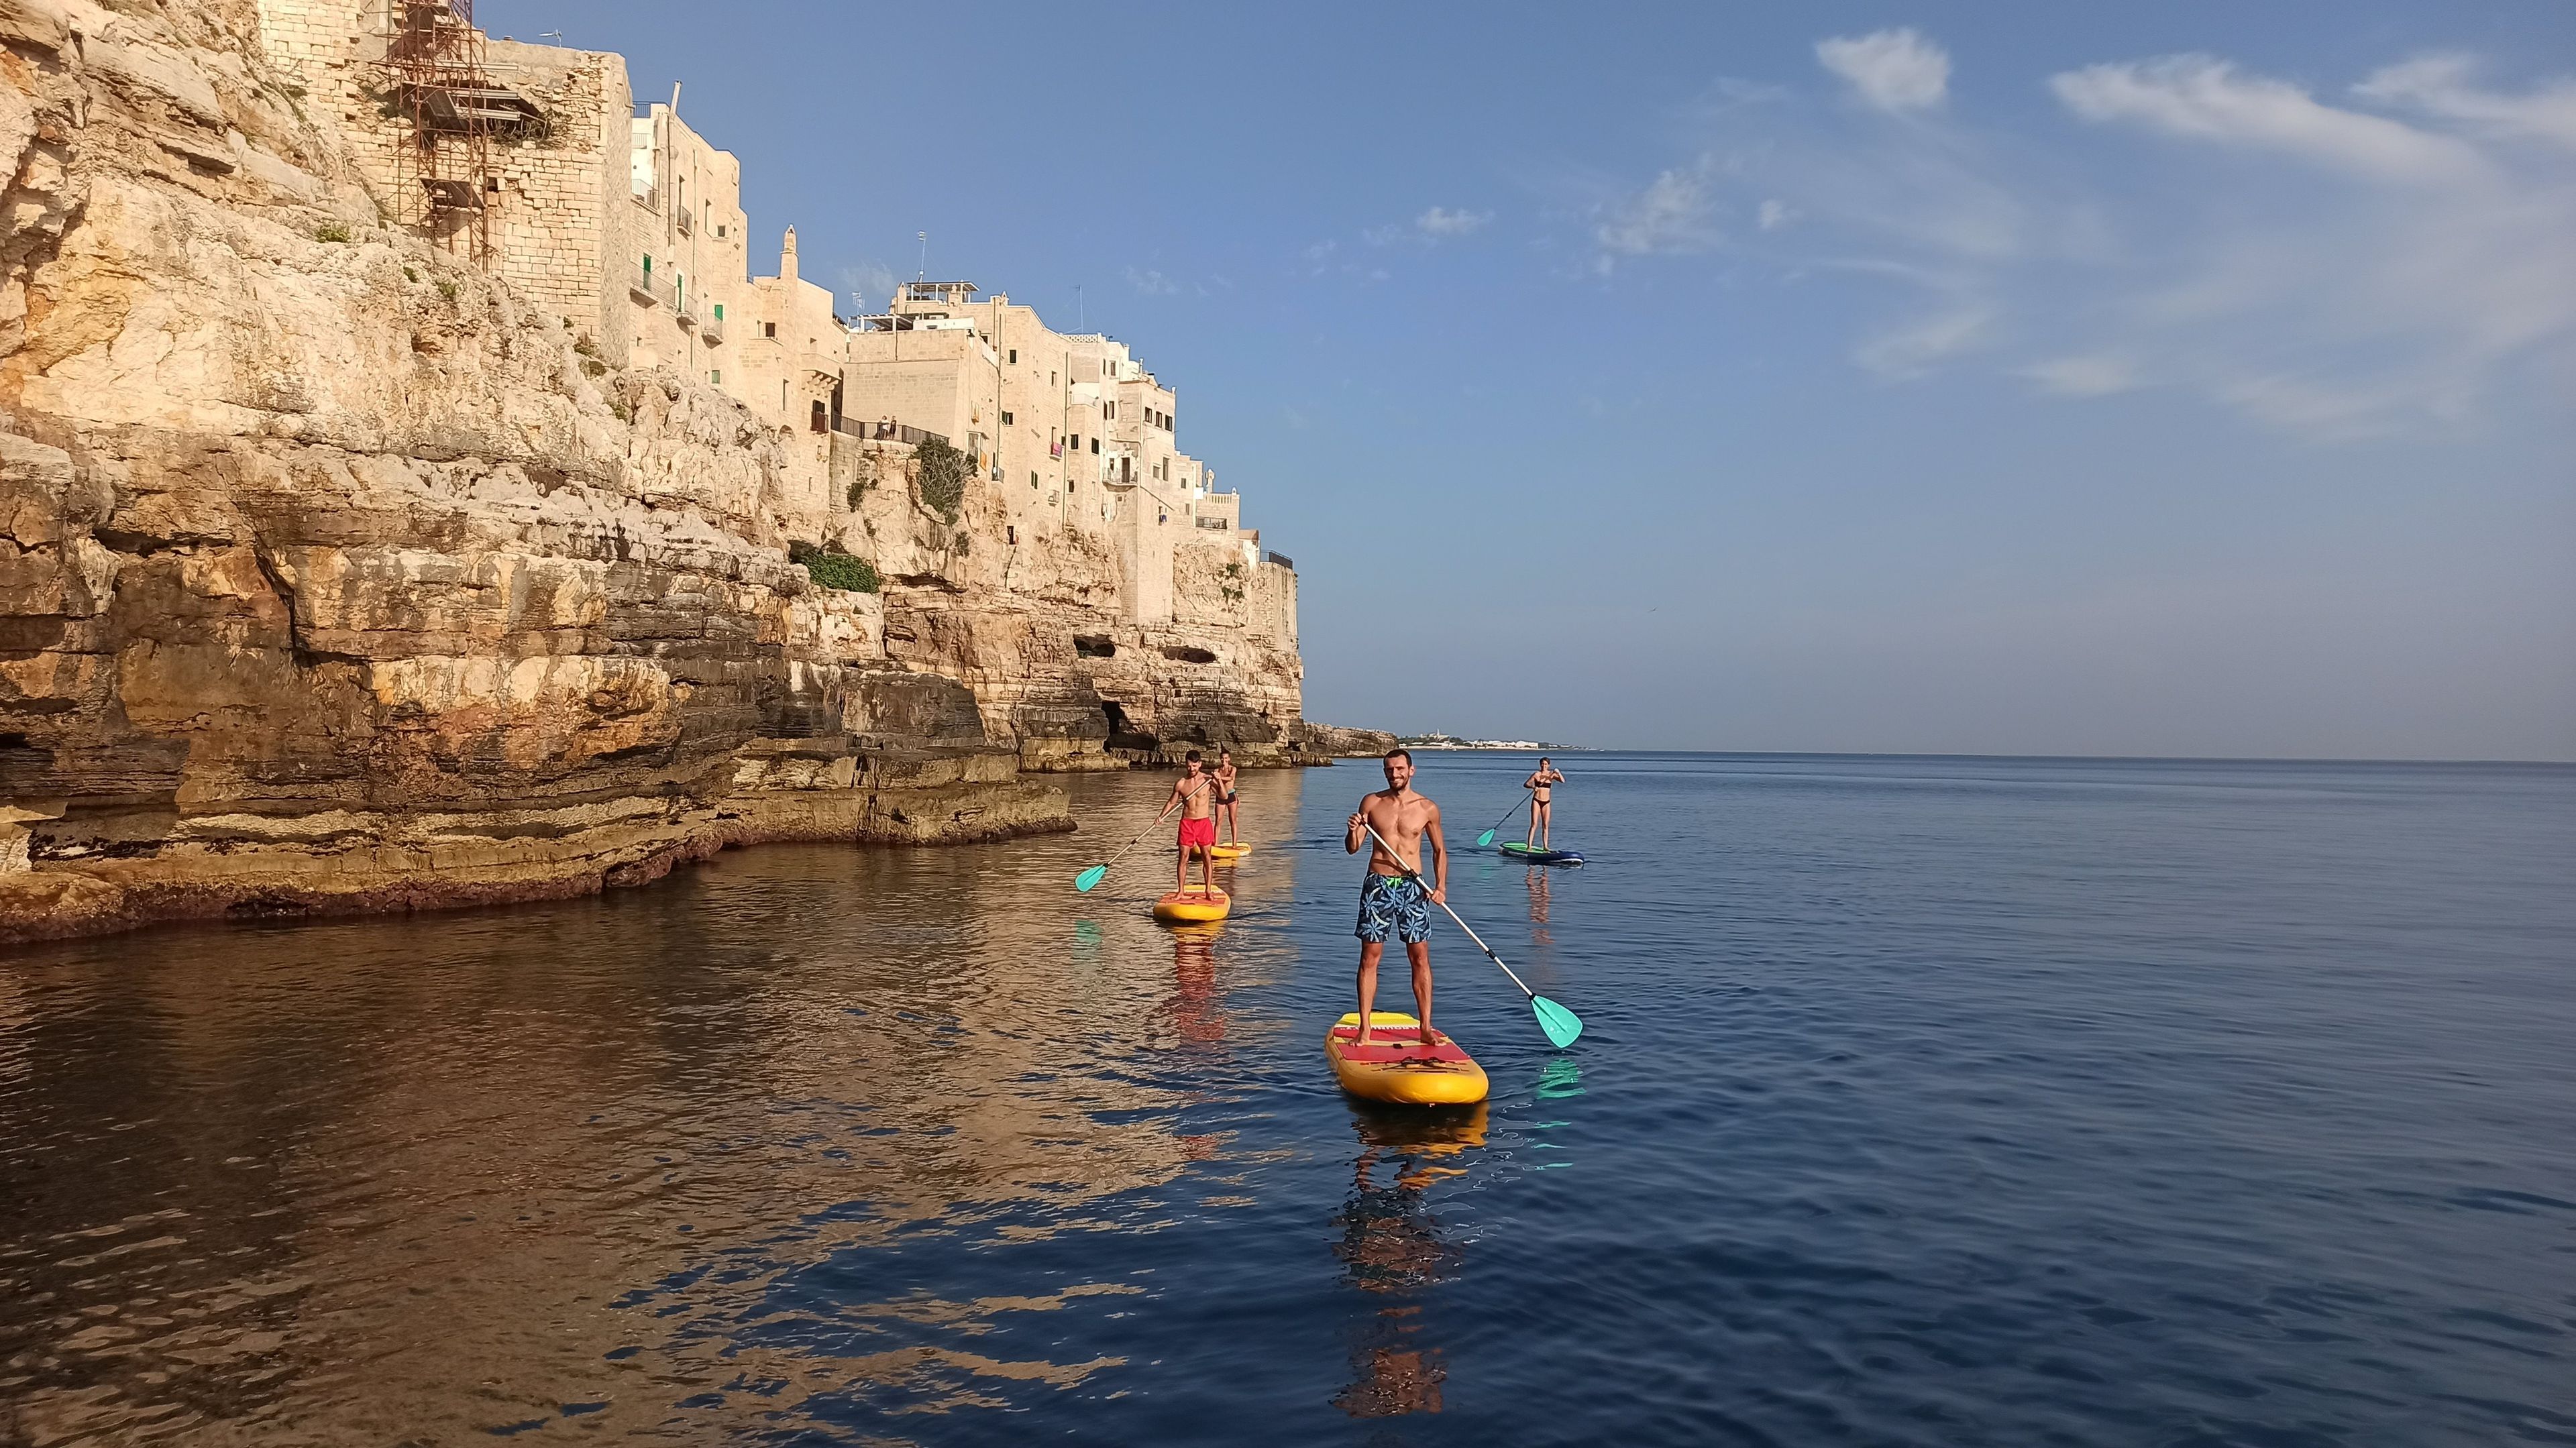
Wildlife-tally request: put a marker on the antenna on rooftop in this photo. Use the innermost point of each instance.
(1081, 313)
(923, 275)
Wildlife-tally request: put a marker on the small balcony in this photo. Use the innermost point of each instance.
(711, 328)
(1282, 559)
(866, 431)
(680, 219)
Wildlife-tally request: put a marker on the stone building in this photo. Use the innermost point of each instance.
(1162, 615)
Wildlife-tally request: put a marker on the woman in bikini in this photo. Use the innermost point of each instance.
(1225, 795)
(1542, 813)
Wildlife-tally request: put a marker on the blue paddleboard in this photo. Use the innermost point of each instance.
(1536, 856)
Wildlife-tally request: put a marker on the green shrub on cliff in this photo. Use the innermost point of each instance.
(832, 568)
(941, 480)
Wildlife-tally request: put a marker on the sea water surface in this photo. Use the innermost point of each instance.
(1957, 1101)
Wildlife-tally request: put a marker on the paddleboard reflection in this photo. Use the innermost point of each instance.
(1393, 1249)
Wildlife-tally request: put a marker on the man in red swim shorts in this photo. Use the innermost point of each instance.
(1194, 795)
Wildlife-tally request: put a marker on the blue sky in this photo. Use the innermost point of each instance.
(2177, 379)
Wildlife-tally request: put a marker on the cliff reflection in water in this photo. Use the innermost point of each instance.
(635, 1160)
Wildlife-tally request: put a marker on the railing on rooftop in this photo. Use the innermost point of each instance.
(1219, 524)
(1282, 559)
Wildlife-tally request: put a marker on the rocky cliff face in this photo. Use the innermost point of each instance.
(1032, 624)
(331, 577)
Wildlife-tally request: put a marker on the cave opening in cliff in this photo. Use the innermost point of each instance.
(1093, 647)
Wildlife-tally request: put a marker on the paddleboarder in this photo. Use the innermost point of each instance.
(1225, 797)
(1542, 813)
(1392, 898)
(1194, 795)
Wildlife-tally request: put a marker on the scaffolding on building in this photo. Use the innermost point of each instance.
(447, 111)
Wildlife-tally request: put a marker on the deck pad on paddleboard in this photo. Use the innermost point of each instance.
(1395, 1066)
(1536, 856)
(1193, 904)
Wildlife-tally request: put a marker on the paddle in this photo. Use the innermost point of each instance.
(1096, 873)
(1561, 1025)
(1487, 838)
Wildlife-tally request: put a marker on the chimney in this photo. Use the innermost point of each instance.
(787, 258)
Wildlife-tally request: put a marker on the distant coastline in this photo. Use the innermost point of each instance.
(1451, 741)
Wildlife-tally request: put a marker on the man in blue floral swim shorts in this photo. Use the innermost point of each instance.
(1392, 898)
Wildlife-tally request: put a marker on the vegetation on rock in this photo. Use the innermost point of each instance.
(829, 567)
(940, 481)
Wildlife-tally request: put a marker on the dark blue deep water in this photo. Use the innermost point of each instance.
(1958, 1101)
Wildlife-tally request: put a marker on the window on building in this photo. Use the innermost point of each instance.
(715, 375)
(822, 418)
(1095, 445)
(1010, 534)
(719, 311)
(1006, 419)
(1033, 482)
(1015, 356)
(769, 330)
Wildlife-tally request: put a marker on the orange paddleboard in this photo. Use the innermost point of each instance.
(1193, 904)
(1393, 1066)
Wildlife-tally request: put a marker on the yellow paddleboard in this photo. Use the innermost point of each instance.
(1193, 904)
(1393, 1066)
(1229, 852)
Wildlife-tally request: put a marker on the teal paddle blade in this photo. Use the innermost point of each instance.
(1561, 1025)
(1089, 878)
(1486, 838)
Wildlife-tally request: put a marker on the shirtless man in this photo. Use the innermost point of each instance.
(1225, 772)
(1392, 899)
(1194, 795)
(1542, 813)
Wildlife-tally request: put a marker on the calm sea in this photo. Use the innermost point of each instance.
(1964, 1101)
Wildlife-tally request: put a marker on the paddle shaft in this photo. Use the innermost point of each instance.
(1131, 844)
(1526, 792)
(1416, 876)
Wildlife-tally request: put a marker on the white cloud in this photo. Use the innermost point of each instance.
(1911, 350)
(2205, 98)
(2439, 85)
(1438, 221)
(1671, 215)
(1152, 283)
(2321, 267)
(866, 280)
(1894, 70)
(2096, 375)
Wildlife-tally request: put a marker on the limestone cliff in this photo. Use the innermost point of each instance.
(1031, 622)
(334, 577)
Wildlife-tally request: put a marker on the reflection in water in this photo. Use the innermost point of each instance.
(1538, 883)
(1195, 1006)
(1392, 1248)
(640, 1162)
